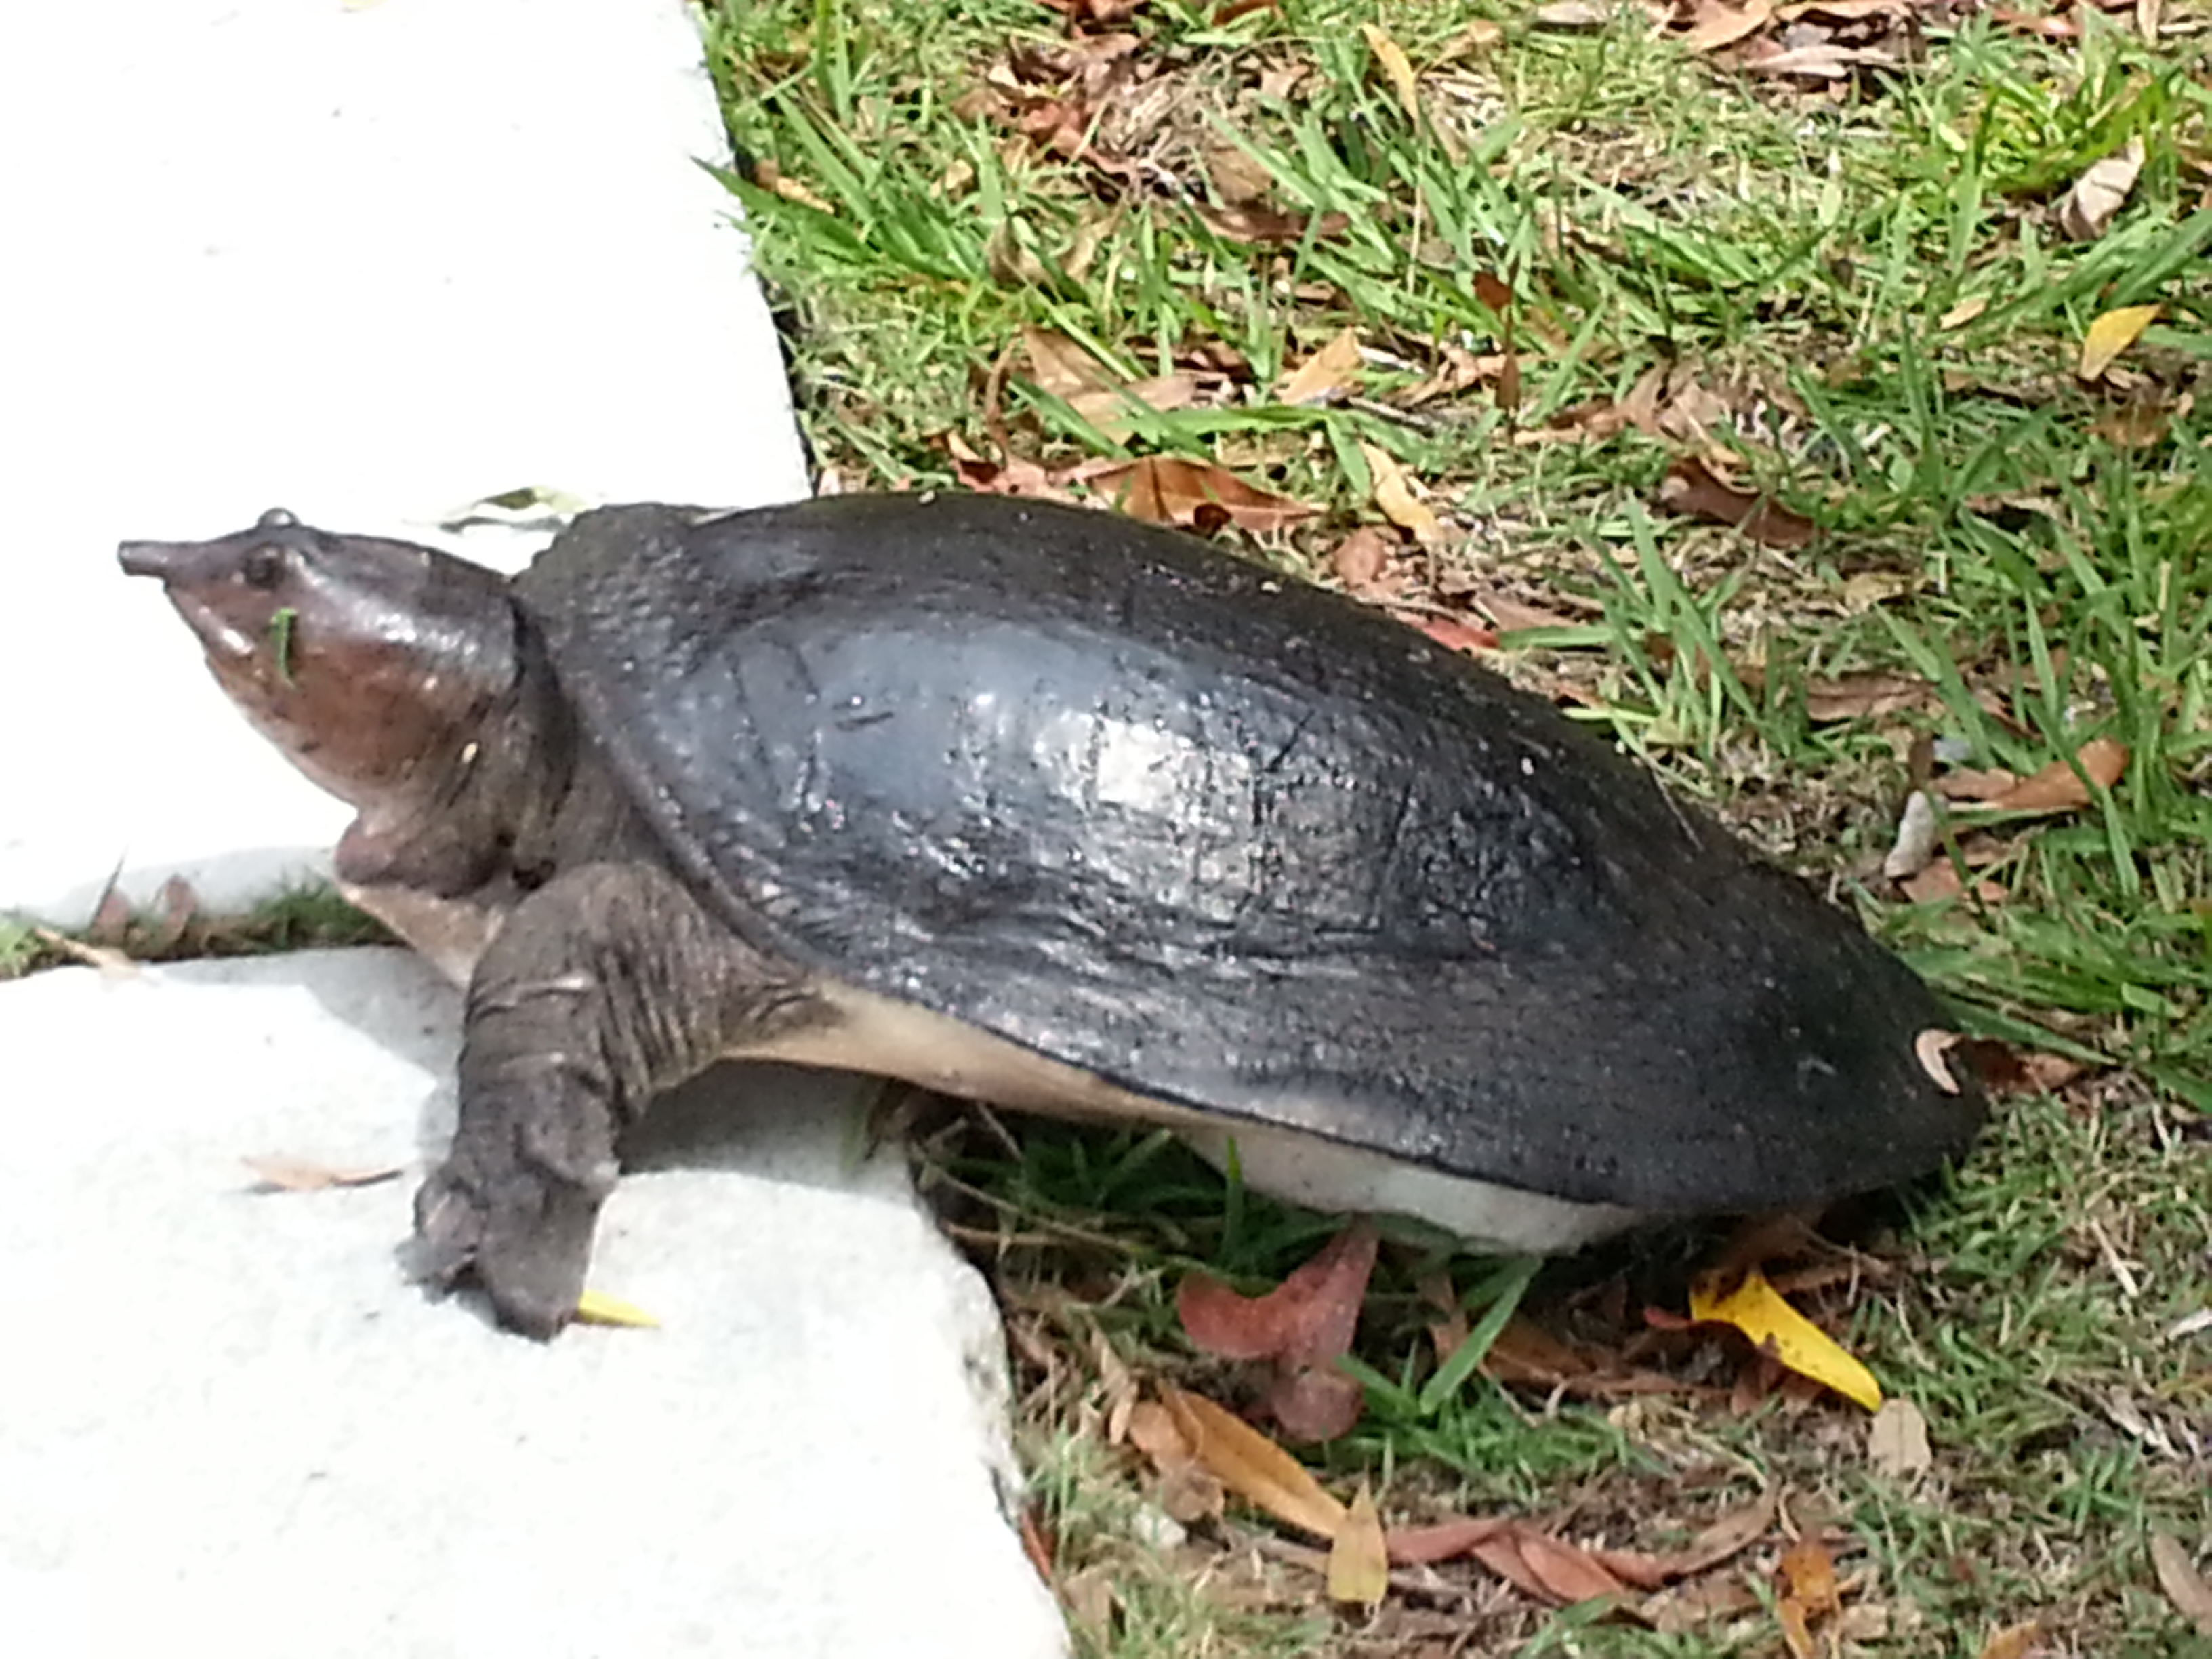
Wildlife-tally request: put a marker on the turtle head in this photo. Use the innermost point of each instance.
(373, 664)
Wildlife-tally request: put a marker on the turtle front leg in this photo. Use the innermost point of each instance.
(606, 986)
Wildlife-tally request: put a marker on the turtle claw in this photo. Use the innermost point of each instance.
(525, 1241)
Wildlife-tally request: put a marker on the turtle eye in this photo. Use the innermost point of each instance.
(263, 566)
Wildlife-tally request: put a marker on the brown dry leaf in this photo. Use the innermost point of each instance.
(1512, 614)
(1361, 558)
(1187, 1492)
(1310, 1316)
(1568, 1572)
(1964, 312)
(2013, 1641)
(1109, 408)
(296, 1175)
(1267, 226)
(1060, 366)
(1451, 633)
(1715, 23)
(1327, 375)
(1358, 1560)
(1392, 55)
(1809, 1595)
(1253, 1466)
(1168, 489)
(1853, 696)
(2085, 211)
(1728, 1537)
(1315, 1402)
(1393, 494)
(770, 178)
(1896, 1442)
(2183, 1585)
(1967, 784)
(1575, 15)
(2109, 335)
(1016, 476)
(110, 961)
(1691, 488)
(1442, 1540)
(2059, 786)
(1305, 1324)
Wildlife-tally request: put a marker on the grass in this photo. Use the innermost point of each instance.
(1860, 304)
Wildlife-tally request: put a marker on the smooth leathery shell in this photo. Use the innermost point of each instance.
(1232, 844)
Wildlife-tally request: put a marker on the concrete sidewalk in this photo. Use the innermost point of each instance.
(370, 263)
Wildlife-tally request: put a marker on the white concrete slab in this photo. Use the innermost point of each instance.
(370, 261)
(228, 1425)
(367, 262)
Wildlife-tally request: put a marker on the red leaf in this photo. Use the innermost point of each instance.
(1691, 488)
(1308, 1319)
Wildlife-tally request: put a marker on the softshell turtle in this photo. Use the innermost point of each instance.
(1053, 809)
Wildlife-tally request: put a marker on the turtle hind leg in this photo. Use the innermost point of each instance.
(605, 987)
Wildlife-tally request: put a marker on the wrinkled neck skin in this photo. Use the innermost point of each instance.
(441, 853)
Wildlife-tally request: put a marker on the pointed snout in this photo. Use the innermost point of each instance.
(166, 561)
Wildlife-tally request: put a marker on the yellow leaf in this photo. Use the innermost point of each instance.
(1333, 370)
(1756, 1308)
(1393, 494)
(1252, 1466)
(1359, 1558)
(2110, 335)
(1392, 55)
(1965, 311)
(593, 1308)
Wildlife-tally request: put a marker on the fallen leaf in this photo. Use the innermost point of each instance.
(2085, 211)
(2183, 1585)
(1327, 375)
(1929, 1047)
(1728, 1537)
(1691, 488)
(1188, 1491)
(2109, 335)
(1967, 784)
(595, 1308)
(1571, 15)
(1358, 1560)
(1964, 312)
(1393, 494)
(1109, 408)
(1856, 696)
(1311, 1315)
(110, 962)
(1511, 616)
(1252, 1466)
(1304, 1325)
(1451, 633)
(1313, 1401)
(1896, 1442)
(2013, 1641)
(292, 1175)
(2059, 787)
(1715, 24)
(1267, 226)
(1442, 1541)
(1392, 55)
(1060, 366)
(1567, 1572)
(1809, 1595)
(1361, 558)
(1919, 832)
(1167, 490)
(1756, 1308)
